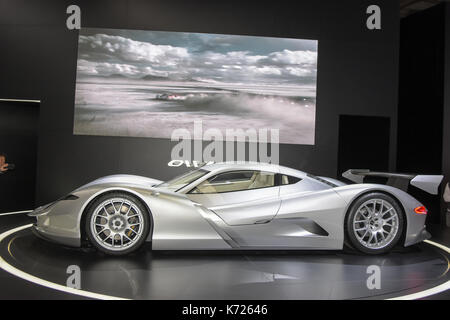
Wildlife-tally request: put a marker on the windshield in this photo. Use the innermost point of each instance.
(181, 181)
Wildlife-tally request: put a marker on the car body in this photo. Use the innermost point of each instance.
(228, 206)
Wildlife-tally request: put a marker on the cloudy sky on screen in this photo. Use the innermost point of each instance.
(182, 56)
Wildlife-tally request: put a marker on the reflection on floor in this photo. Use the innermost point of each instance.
(237, 275)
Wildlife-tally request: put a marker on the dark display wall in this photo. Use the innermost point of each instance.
(363, 150)
(421, 93)
(421, 97)
(18, 138)
(446, 113)
(424, 96)
(357, 75)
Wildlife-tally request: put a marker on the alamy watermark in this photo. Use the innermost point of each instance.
(73, 21)
(374, 279)
(74, 278)
(236, 144)
(373, 21)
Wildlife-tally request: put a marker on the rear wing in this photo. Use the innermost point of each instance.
(427, 183)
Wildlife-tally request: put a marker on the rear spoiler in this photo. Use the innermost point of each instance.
(428, 183)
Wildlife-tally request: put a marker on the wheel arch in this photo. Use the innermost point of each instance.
(393, 196)
(87, 206)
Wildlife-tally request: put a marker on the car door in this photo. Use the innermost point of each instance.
(240, 197)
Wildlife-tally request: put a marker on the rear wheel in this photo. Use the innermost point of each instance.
(374, 223)
(117, 223)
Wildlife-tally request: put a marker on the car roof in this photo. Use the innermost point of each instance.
(248, 165)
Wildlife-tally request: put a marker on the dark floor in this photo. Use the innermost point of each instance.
(16, 288)
(441, 234)
(220, 275)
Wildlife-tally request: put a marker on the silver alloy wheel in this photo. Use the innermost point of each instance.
(375, 223)
(117, 224)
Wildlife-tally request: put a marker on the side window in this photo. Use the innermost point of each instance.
(285, 180)
(236, 181)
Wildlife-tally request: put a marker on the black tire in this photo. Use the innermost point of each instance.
(349, 226)
(146, 223)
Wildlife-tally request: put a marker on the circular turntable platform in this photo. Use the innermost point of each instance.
(226, 275)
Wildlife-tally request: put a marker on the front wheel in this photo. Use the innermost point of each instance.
(117, 223)
(374, 223)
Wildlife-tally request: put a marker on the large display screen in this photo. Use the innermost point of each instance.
(149, 83)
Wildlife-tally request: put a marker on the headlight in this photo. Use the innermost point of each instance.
(39, 211)
(46, 208)
(70, 197)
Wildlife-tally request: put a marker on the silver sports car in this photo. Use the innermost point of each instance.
(228, 206)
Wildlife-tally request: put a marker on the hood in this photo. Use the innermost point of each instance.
(123, 179)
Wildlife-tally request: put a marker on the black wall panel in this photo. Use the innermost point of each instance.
(421, 92)
(421, 98)
(446, 113)
(357, 75)
(19, 140)
(358, 148)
